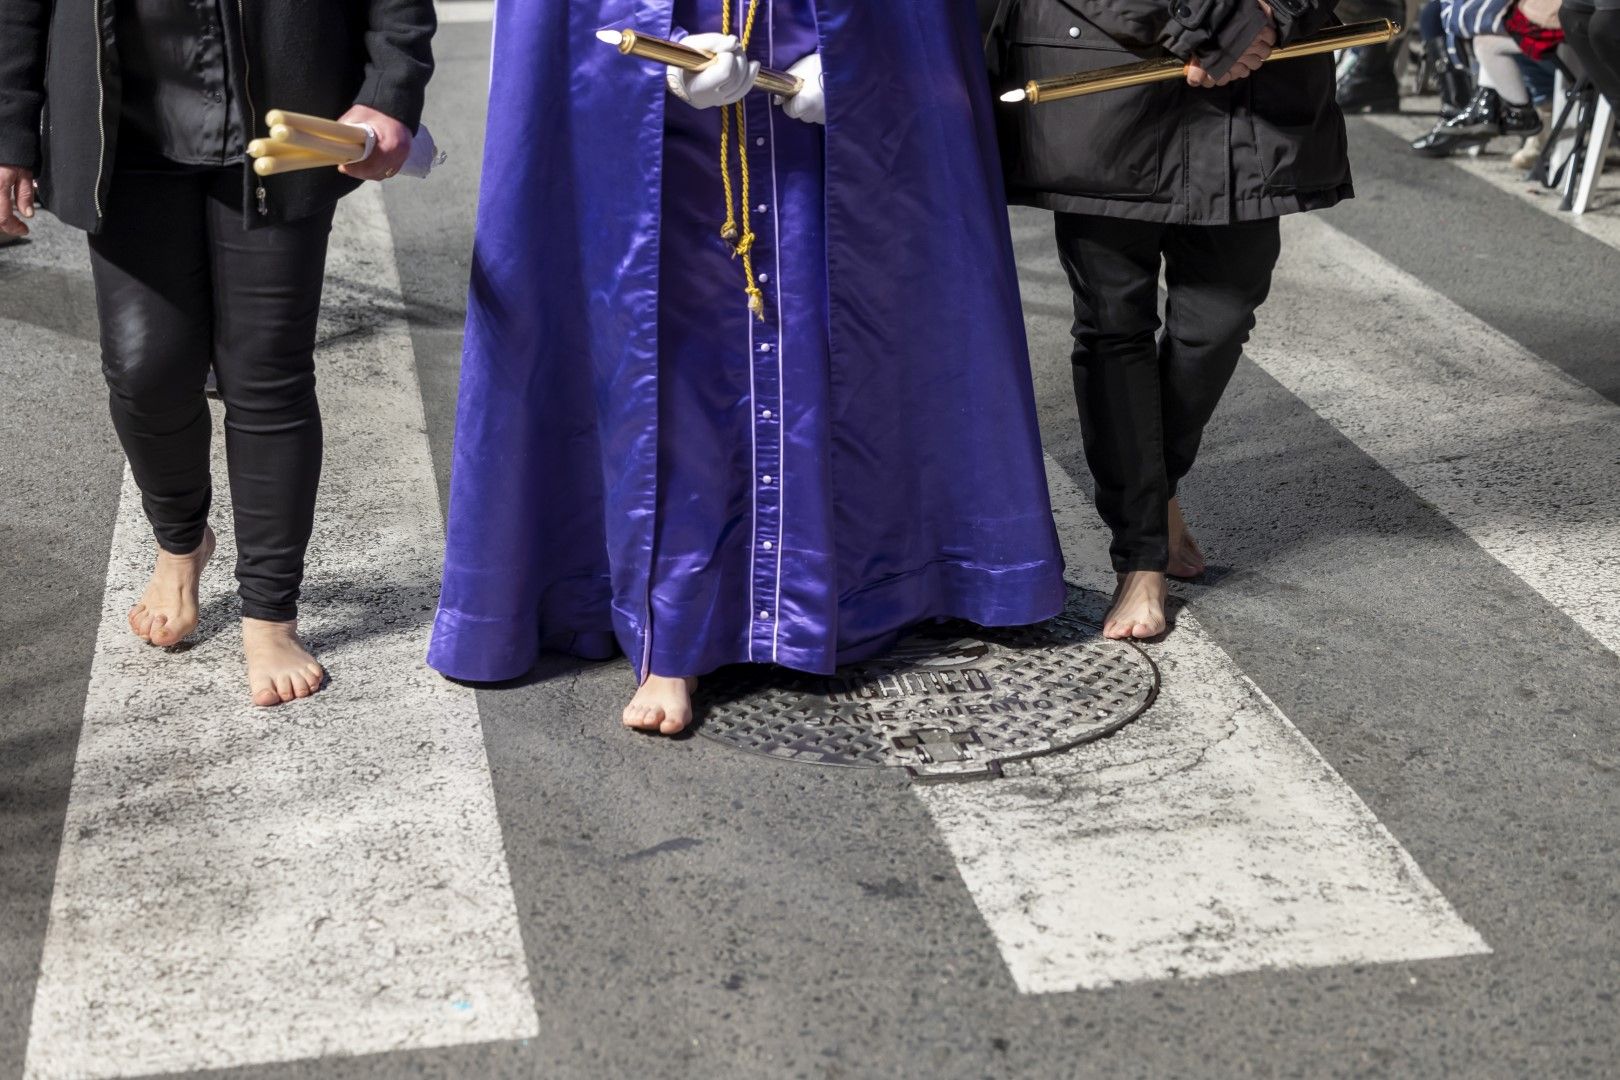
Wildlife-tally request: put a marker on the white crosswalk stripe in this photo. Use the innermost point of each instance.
(241, 886)
(1206, 838)
(1515, 453)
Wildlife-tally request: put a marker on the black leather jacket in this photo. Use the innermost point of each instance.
(1260, 147)
(60, 89)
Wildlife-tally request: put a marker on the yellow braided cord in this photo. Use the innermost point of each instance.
(728, 231)
(742, 241)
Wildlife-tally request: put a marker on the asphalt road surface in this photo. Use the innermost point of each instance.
(1370, 828)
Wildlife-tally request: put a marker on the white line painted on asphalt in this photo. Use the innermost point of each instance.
(1207, 838)
(242, 886)
(465, 11)
(1514, 452)
(1601, 223)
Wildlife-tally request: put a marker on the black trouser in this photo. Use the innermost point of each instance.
(180, 286)
(1594, 36)
(1144, 397)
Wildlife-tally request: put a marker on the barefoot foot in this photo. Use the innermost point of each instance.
(1186, 559)
(167, 611)
(279, 668)
(1138, 610)
(661, 704)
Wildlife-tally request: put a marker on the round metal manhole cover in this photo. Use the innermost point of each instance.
(952, 701)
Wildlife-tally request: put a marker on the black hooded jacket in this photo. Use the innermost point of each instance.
(60, 91)
(1260, 147)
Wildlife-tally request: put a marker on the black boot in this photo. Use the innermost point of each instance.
(1521, 120)
(1369, 84)
(1456, 82)
(1486, 117)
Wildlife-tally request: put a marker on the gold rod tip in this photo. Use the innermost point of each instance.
(1014, 97)
(610, 37)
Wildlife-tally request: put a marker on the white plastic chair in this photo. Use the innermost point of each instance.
(1597, 148)
(1590, 115)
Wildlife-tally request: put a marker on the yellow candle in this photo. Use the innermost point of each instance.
(282, 135)
(314, 125)
(286, 163)
(264, 148)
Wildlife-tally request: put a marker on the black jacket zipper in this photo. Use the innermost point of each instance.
(247, 92)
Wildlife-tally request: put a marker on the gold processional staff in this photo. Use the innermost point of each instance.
(674, 54)
(1041, 91)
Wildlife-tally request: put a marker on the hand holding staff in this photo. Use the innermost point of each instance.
(674, 54)
(1041, 91)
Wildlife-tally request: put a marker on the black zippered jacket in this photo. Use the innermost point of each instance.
(60, 91)
(1257, 148)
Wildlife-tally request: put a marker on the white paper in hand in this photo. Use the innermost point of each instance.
(425, 155)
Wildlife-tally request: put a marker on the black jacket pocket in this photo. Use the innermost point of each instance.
(1299, 135)
(1101, 144)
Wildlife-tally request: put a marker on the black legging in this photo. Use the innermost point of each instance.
(1594, 35)
(1145, 399)
(180, 286)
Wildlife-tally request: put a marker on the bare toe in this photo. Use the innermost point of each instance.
(162, 633)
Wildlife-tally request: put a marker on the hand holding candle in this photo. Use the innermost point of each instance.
(393, 144)
(363, 143)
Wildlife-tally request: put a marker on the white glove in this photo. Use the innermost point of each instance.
(809, 104)
(727, 80)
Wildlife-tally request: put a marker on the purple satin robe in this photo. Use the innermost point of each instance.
(640, 462)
